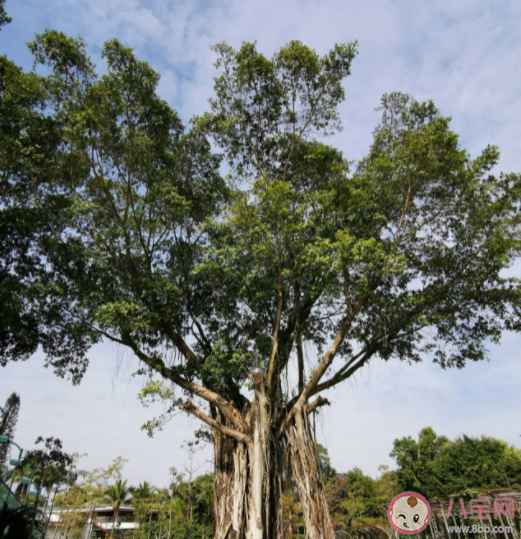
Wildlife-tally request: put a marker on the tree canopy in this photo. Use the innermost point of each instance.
(118, 224)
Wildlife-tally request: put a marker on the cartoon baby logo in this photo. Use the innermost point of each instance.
(409, 513)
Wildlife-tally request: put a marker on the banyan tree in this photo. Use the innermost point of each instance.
(246, 263)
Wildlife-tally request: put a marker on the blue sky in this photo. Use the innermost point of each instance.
(465, 55)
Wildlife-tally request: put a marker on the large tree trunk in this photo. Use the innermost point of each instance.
(306, 476)
(248, 478)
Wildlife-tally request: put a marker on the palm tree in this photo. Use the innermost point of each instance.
(145, 491)
(142, 500)
(117, 495)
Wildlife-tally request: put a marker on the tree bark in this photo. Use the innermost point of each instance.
(307, 477)
(231, 476)
(248, 477)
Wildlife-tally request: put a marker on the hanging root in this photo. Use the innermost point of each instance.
(229, 488)
(306, 475)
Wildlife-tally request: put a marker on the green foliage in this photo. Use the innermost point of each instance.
(415, 458)
(426, 195)
(185, 509)
(51, 464)
(117, 225)
(27, 144)
(4, 19)
(119, 493)
(262, 107)
(327, 470)
(143, 497)
(128, 188)
(434, 465)
(356, 500)
(293, 518)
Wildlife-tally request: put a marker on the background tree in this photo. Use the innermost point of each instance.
(219, 285)
(144, 491)
(94, 484)
(184, 512)
(292, 515)
(327, 470)
(72, 503)
(88, 492)
(435, 465)
(8, 428)
(203, 498)
(357, 500)
(416, 463)
(117, 495)
(432, 465)
(51, 464)
(388, 482)
(174, 509)
(143, 498)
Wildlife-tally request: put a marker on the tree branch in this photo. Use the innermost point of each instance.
(178, 340)
(319, 401)
(200, 330)
(227, 408)
(189, 406)
(343, 374)
(324, 364)
(350, 368)
(272, 369)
